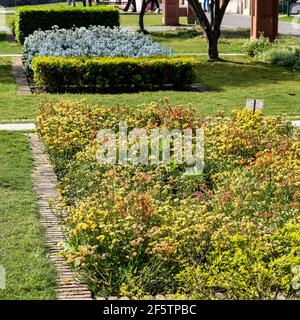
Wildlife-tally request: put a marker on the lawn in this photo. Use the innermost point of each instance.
(8, 47)
(22, 250)
(194, 42)
(229, 84)
(294, 19)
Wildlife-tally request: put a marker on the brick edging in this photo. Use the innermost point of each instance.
(20, 77)
(44, 178)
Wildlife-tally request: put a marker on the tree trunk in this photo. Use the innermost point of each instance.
(211, 27)
(213, 51)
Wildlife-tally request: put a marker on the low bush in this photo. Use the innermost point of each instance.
(277, 52)
(254, 47)
(285, 57)
(230, 232)
(30, 19)
(94, 41)
(55, 74)
(11, 19)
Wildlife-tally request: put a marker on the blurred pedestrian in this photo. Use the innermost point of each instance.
(130, 3)
(206, 5)
(84, 3)
(72, 3)
(155, 6)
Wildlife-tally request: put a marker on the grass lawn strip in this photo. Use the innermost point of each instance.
(29, 275)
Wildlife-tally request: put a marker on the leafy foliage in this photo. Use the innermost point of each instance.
(277, 52)
(111, 74)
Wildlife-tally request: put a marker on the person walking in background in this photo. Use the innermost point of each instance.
(72, 3)
(155, 6)
(206, 5)
(84, 3)
(129, 3)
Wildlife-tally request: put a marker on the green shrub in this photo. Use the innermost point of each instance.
(29, 19)
(284, 57)
(278, 52)
(111, 74)
(240, 267)
(11, 20)
(253, 47)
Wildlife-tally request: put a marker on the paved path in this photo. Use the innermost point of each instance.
(19, 74)
(4, 29)
(8, 11)
(241, 21)
(233, 21)
(17, 127)
(69, 287)
(296, 123)
(10, 55)
(230, 21)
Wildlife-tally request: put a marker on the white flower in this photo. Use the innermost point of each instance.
(94, 41)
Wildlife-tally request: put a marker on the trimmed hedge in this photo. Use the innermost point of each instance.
(29, 19)
(111, 74)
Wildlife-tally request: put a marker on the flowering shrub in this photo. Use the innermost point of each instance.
(231, 232)
(94, 41)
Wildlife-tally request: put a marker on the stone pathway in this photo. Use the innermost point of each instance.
(69, 288)
(19, 74)
(17, 127)
(10, 55)
(9, 35)
(243, 21)
(232, 21)
(7, 11)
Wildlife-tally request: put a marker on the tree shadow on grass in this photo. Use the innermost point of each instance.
(6, 77)
(236, 73)
(182, 33)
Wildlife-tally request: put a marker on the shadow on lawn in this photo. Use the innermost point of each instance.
(6, 77)
(2, 37)
(237, 73)
(181, 34)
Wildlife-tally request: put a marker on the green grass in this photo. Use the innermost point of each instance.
(150, 19)
(230, 84)
(8, 47)
(290, 19)
(28, 272)
(194, 42)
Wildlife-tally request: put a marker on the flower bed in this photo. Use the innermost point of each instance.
(140, 230)
(30, 19)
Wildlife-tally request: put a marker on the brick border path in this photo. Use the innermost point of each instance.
(19, 74)
(69, 288)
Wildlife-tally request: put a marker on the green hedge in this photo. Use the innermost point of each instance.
(29, 19)
(107, 74)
